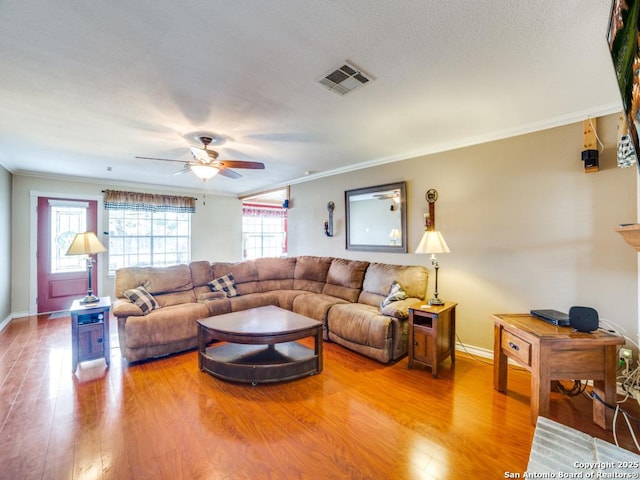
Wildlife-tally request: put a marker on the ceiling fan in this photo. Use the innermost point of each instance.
(205, 163)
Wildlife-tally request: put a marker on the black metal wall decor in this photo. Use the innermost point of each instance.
(328, 225)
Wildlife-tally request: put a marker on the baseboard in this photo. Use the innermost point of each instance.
(476, 351)
(5, 323)
(480, 352)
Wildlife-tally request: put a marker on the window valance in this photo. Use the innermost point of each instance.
(251, 210)
(148, 202)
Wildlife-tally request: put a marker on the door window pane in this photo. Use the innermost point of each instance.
(66, 221)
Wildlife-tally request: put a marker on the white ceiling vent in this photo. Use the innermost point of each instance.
(345, 79)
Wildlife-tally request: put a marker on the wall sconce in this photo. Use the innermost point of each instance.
(590, 151)
(328, 225)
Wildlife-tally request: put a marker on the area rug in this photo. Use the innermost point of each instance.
(559, 451)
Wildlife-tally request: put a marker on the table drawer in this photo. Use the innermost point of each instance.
(516, 348)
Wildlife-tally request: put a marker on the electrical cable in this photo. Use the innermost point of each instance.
(626, 415)
(595, 132)
(577, 389)
(475, 357)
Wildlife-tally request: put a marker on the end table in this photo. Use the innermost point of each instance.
(90, 331)
(432, 335)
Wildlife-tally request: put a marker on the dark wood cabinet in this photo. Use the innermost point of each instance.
(432, 335)
(90, 331)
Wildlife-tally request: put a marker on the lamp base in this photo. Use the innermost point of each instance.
(89, 299)
(435, 301)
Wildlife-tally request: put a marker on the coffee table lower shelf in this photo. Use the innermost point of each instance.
(259, 363)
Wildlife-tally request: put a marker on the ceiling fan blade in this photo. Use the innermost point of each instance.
(229, 173)
(186, 168)
(200, 154)
(162, 159)
(242, 164)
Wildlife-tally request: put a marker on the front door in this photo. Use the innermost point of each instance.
(61, 278)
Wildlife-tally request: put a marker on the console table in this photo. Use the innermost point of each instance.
(554, 353)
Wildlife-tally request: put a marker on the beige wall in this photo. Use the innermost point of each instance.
(527, 228)
(216, 228)
(5, 245)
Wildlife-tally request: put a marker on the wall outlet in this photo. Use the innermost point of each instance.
(625, 354)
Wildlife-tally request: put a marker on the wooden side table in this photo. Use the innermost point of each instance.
(90, 331)
(554, 353)
(432, 335)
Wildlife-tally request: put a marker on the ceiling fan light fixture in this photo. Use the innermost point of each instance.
(204, 172)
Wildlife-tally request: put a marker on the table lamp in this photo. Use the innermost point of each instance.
(86, 243)
(432, 242)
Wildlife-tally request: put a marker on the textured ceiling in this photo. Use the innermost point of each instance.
(87, 86)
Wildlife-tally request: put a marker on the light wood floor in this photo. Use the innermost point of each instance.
(164, 419)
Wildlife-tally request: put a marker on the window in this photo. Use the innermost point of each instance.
(148, 230)
(67, 219)
(264, 231)
(140, 239)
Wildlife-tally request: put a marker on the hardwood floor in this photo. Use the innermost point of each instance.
(164, 419)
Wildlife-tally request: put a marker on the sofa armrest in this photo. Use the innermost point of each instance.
(400, 309)
(203, 297)
(123, 307)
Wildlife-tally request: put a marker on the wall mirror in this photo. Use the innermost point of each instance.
(377, 218)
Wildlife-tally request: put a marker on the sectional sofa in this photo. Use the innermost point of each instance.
(345, 295)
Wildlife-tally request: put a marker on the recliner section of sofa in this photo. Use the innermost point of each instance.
(345, 295)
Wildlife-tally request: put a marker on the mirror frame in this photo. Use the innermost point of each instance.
(402, 248)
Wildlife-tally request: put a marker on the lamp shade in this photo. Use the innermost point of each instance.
(85, 243)
(204, 172)
(432, 242)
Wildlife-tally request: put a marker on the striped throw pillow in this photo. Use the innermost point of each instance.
(224, 284)
(142, 298)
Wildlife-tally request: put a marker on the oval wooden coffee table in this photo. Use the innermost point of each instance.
(259, 345)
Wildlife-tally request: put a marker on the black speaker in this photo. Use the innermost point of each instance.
(583, 319)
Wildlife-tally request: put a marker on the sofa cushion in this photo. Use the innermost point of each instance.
(286, 297)
(400, 309)
(166, 325)
(310, 273)
(275, 273)
(315, 305)
(142, 299)
(380, 276)
(176, 278)
(224, 284)
(359, 323)
(396, 293)
(201, 273)
(218, 306)
(344, 279)
(245, 275)
(253, 300)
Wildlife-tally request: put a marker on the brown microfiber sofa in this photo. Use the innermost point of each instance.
(345, 295)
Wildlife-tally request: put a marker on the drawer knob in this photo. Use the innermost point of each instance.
(514, 346)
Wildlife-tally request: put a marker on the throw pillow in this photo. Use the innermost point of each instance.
(224, 284)
(142, 298)
(396, 293)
